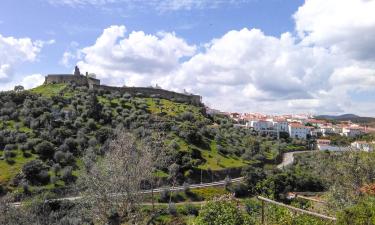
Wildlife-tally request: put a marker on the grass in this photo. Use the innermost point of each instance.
(216, 161)
(209, 193)
(11, 125)
(8, 171)
(170, 108)
(49, 90)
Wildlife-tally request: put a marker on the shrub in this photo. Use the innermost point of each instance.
(67, 174)
(10, 147)
(35, 172)
(45, 149)
(191, 209)
(172, 209)
(165, 195)
(240, 190)
(223, 210)
(361, 213)
(221, 150)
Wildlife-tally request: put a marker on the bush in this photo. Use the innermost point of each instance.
(45, 150)
(191, 209)
(2, 190)
(172, 209)
(35, 172)
(224, 211)
(361, 213)
(67, 174)
(221, 150)
(240, 190)
(10, 147)
(165, 195)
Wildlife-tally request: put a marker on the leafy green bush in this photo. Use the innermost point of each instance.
(361, 213)
(224, 210)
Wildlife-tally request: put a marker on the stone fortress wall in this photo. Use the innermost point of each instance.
(93, 83)
(155, 93)
(69, 78)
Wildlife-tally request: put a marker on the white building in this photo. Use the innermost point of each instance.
(362, 146)
(326, 130)
(281, 125)
(297, 130)
(351, 132)
(260, 125)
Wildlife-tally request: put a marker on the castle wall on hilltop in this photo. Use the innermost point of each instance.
(154, 92)
(69, 78)
(134, 91)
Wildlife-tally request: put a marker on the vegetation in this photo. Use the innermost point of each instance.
(58, 140)
(58, 124)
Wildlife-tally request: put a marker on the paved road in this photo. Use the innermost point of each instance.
(288, 158)
(157, 190)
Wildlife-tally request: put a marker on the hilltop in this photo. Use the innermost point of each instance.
(46, 133)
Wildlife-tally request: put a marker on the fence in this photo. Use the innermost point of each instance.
(298, 210)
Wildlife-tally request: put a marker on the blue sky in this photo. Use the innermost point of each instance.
(64, 23)
(273, 56)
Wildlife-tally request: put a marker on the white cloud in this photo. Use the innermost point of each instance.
(346, 27)
(242, 70)
(135, 59)
(32, 81)
(13, 53)
(27, 81)
(67, 59)
(246, 70)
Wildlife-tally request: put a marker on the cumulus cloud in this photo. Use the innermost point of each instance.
(346, 27)
(32, 81)
(27, 81)
(14, 52)
(246, 70)
(135, 59)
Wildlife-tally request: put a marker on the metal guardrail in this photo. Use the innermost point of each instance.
(263, 200)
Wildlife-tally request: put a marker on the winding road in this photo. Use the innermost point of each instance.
(288, 159)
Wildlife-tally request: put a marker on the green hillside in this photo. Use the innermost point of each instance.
(46, 132)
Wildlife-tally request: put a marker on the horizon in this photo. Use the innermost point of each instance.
(240, 56)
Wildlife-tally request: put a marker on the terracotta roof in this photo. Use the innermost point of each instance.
(297, 125)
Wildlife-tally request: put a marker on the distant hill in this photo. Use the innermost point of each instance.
(352, 117)
(338, 117)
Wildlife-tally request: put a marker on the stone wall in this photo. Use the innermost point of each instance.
(69, 78)
(93, 83)
(154, 92)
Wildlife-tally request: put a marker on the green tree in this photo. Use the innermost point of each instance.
(361, 213)
(224, 210)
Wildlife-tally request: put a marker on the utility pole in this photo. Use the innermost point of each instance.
(201, 176)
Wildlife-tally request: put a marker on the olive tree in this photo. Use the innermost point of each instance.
(112, 185)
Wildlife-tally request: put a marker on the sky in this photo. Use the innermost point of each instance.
(270, 56)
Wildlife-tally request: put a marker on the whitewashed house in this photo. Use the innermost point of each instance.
(260, 125)
(297, 130)
(351, 132)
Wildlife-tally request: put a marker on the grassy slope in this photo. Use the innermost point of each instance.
(214, 160)
(8, 171)
(49, 90)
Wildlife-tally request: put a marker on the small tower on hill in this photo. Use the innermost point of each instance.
(76, 71)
